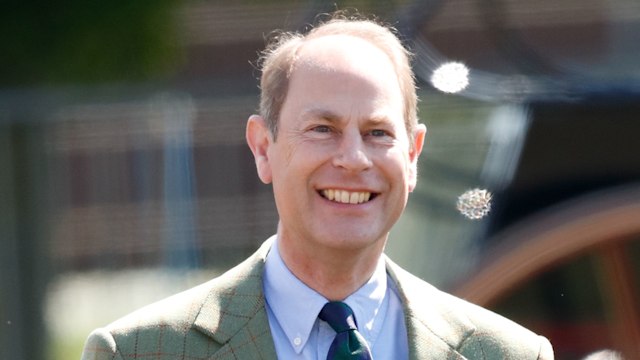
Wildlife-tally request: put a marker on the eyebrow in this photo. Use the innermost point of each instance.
(315, 113)
(330, 116)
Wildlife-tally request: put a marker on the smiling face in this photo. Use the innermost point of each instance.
(342, 165)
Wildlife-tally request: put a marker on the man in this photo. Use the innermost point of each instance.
(338, 139)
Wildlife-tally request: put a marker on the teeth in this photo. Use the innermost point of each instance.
(346, 197)
(329, 194)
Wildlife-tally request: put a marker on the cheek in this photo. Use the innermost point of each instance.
(400, 171)
(396, 160)
(280, 157)
(292, 168)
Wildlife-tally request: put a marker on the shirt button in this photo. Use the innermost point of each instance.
(297, 341)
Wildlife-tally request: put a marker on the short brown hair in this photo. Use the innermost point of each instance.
(278, 60)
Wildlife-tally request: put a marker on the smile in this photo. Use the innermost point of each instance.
(347, 197)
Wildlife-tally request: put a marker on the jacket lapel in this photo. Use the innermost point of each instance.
(425, 344)
(434, 329)
(234, 313)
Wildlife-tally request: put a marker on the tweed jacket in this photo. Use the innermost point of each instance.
(226, 318)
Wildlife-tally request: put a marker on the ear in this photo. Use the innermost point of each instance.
(259, 140)
(414, 153)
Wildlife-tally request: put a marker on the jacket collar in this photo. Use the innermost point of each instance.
(433, 329)
(235, 312)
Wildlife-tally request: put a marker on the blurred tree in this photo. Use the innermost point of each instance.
(79, 41)
(57, 43)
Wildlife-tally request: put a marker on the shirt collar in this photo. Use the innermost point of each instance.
(368, 303)
(296, 306)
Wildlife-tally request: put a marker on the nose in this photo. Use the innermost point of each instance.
(351, 153)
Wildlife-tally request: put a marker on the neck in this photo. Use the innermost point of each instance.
(335, 273)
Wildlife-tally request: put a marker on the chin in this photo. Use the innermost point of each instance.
(352, 242)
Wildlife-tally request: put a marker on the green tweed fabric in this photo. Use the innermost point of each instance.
(226, 318)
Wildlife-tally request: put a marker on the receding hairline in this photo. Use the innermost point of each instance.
(281, 55)
(308, 45)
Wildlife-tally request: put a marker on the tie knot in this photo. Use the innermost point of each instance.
(339, 316)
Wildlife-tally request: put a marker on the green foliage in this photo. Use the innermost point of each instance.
(71, 41)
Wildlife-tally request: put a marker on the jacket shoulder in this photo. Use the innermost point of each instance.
(163, 328)
(471, 330)
(496, 337)
(175, 327)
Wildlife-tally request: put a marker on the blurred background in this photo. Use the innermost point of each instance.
(124, 175)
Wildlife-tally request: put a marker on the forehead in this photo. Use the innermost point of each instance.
(345, 53)
(345, 75)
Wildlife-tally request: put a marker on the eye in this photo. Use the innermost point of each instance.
(321, 129)
(378, 133)
(380, 136)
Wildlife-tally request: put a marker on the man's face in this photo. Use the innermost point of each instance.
(342, 165)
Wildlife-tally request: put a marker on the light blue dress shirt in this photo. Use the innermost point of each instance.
(293, 308)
